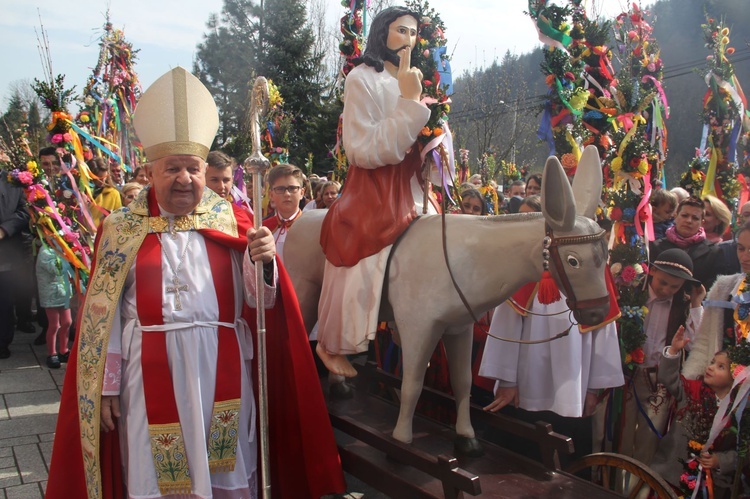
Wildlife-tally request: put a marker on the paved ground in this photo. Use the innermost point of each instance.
(29, 401)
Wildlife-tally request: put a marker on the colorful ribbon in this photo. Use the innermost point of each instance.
(709, 187)
(95, 142)
(645, 205)
(659, 89)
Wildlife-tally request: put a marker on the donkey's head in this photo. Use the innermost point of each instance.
(577, 249)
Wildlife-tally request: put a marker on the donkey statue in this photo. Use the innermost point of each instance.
(491, 257)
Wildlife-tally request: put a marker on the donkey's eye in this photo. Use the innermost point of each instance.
(573, 262)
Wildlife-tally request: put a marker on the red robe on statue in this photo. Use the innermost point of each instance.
(385, 193)
(304, 460)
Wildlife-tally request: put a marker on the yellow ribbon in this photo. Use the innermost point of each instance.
(709, 187)
(573, 145)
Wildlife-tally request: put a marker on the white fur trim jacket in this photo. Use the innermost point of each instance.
(708, 340)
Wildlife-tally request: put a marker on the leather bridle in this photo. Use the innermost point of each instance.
(551, 250)
(552, 247)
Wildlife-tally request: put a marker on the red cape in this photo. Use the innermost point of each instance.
(385, 195)
(304, 459)
(271, 222)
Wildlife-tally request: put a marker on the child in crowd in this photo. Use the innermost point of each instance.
(517, 188)
(697, 402)
(285, 190)
(220, 179)
(674, 299)
(663, 206)
(220, 174)
(54, 295)
(472, 203)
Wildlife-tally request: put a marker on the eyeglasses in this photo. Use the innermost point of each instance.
(281, 189)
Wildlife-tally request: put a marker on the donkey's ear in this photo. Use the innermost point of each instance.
(558, 204)
(587, 184)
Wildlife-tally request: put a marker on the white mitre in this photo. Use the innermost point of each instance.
(176, 115)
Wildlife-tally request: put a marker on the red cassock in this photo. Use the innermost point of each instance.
(303, 456)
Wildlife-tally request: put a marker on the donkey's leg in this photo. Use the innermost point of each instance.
(417, 345)
(458, 349)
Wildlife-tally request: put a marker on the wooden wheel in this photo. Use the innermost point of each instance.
(608, 469)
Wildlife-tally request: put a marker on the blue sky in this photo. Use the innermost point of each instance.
(167, 31)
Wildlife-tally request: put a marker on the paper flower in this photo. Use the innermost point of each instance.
(26, 178)
(628, 274)
(638, 355)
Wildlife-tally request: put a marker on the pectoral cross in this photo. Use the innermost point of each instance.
(176, 289)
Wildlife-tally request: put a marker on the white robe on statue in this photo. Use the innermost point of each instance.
(551, 376)
(192, 346)
(379, 127)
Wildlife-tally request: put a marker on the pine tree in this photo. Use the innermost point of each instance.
(287, 57)
(13, 117)
(225, 63)
(37, 131)
(273, 39)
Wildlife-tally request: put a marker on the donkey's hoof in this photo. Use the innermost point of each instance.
(469, 447)
(341, 390)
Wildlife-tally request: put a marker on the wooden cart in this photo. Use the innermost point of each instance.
(428, 469)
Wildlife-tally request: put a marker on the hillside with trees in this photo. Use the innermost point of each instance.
(491, 103)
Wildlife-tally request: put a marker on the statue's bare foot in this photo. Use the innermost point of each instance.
(336, 363)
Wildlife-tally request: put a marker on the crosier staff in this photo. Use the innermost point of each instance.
(257, 165)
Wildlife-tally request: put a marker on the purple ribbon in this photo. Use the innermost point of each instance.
(544, 132)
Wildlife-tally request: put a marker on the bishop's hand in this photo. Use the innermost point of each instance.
(261, 245)
(409, 78)
(109, 412)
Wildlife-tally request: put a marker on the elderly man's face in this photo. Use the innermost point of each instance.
(178, 182)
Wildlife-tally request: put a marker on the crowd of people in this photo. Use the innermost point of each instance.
(685, 349)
